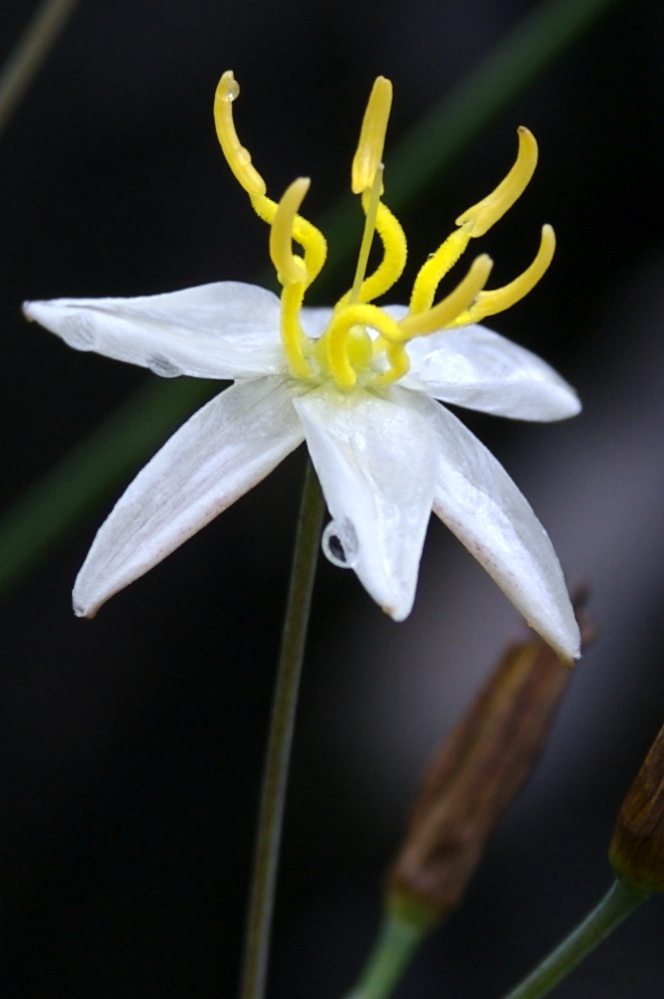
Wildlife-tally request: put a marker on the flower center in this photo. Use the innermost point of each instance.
(363, 345)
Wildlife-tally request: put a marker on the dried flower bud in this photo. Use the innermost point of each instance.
(637, 846)
(479, 770)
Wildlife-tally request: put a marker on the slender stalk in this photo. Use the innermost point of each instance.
(621, 899)
(394, 947)
(33, 47)
(275, 775)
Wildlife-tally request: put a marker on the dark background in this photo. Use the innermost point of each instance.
(131, 746)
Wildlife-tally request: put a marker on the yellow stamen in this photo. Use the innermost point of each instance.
(392, 265)
(338, 345)
(362, 343)
(490, 302)
(290, 268)
(480, 217)
(370, 206)
(236, 155)
(293, 337)
(443, 314)
(370, 147)
(435, 268)
(395, 251)
(239, 160)
(474, 222)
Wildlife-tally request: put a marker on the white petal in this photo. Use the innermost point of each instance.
(477, 368)
(221, 330)
(373, 458)
(478, 501)
(214, 458)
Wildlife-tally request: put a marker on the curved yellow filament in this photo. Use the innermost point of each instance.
(310, 238)
(370, 205)
(239, 160)
(395, 252)
(475, 221)
(435, 268)
(235, 154)
(290, 269)
(371, 144)
(480, 217)
(338, 343)
(391, 267)
(446, 311)
(293, 337)
(488, 303)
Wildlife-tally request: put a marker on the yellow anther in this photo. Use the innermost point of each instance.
(370, 147)
(236, 155)
(488, 303)
(339, 342)
(445, 312)
(290, 268)
(480, 217)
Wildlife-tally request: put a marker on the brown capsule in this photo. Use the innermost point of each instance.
(637, 847)
(479, 770)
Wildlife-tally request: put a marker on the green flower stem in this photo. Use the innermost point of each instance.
(57, 501)
(397, 940)
(621, 899)
(275, 775)
(33, 47)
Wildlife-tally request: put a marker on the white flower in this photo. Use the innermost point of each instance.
(359, 383)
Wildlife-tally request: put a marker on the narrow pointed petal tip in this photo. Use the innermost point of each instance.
(480, 504)
(84, 610)
(372, 457)
(220, 453)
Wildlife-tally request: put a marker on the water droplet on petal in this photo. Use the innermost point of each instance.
(340, 543)
(160, 366)
(79, 332)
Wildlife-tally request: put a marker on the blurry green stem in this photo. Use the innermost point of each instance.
(396, 943)
(282, 722)
(33, 47)
(621, 899)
